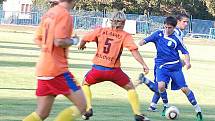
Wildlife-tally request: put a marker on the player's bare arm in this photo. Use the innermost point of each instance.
(187, 61)
(138, 57)
(38, 41)
(38, 36)
(65, 43)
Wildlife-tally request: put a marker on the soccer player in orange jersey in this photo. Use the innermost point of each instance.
(54, 78)
(106, 62)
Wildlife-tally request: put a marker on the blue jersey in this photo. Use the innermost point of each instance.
(167, 49)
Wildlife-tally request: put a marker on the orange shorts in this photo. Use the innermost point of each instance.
(61, 84)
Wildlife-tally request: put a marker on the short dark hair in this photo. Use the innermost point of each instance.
(171, 21)
(181, 15)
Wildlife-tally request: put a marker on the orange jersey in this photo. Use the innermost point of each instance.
(55, 24)
(110, 44)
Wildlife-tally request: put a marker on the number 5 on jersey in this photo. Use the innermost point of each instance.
(107, 46)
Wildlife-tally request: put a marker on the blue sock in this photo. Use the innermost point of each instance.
(191, 98)
(156, 98)
(151, 85)
(163, 95)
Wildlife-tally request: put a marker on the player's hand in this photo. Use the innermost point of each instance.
(81, 47)
(75, 40)
(141, 43)
(145, 69)
(183, 63)
(188, 65)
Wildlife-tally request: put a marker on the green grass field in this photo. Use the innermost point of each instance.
(18, 56)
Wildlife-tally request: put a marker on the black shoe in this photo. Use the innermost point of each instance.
(199, 116)
(88, 114)
(141, 117)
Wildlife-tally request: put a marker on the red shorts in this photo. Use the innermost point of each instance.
(115, 75)
(61, 84)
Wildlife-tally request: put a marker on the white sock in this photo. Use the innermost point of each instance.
(166, 105)
(197, 108)
(153, 105)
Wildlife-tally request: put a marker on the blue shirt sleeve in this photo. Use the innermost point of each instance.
(152, 38)
(182, 48)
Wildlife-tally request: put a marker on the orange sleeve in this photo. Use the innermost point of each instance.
(38, 34)
(129, 43)
(92, 36)
(62, 27)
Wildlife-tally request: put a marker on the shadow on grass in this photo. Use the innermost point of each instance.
(32, 64)
(14, 109)
(16, 64)
(25, 43)
(146, 54)
(37, 56)
(19, 47)
(17, 55)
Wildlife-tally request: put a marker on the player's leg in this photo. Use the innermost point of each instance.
(90, 78)
(44, 105)
(75, 95)
(147, 82)
(163, 78)
(121, 79)
(44, 102)
(154, 101)
(190, 96)
(73, 112)
(88, 95)
(134, 102)
(163, 95)
(154, 87)
(180, 83)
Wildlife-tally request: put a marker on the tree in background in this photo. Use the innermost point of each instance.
(201, 9)
(211, 6)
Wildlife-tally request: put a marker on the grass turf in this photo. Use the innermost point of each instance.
(18, 56)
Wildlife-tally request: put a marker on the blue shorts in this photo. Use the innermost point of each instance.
(177, 77)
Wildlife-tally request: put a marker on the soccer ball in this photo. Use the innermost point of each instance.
(172, 113)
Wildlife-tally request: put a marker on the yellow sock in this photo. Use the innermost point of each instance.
(32, 117)
(88, 96)
(68, 114)
(134, 101)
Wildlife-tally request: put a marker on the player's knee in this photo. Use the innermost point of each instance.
(185, 90)
(161, 86)
(85, 83)
(128, 86)
(162, 89)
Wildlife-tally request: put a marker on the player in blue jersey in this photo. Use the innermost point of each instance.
(168, 64)
(182, 23)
